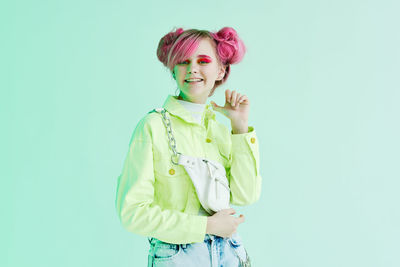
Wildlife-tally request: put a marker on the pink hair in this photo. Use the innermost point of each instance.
(178, 45)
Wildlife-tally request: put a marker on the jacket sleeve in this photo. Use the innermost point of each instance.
(134, 201)
(244, 175)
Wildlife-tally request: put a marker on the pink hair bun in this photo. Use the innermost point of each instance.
(165, 45)
(230, 47)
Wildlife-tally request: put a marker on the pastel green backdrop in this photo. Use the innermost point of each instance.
(323, 81)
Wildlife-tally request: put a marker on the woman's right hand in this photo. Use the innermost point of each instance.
(223, 224)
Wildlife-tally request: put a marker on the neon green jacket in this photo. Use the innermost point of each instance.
(156, 198)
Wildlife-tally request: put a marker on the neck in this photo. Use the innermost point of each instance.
(196, 101)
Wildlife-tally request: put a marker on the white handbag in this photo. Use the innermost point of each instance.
(208, 176)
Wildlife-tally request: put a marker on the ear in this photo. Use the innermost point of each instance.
(221, 73)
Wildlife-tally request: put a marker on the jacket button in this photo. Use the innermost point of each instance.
(253, 140)
(172, 171)
(208, 140)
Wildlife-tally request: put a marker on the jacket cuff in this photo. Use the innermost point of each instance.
(246, 143)
(243, 141)
(198, 227)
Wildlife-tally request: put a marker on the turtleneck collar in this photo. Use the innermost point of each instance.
(177, 108)
(192, 106)
(196, 109)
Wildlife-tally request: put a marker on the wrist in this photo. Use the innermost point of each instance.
(210, 223)
(238, 128)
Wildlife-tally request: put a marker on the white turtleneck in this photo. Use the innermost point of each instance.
(195, 109)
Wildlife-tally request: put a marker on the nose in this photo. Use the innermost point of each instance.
(192, 68)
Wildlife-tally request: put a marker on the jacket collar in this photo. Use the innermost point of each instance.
(173, 106)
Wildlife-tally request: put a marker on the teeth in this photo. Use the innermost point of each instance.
(194, 80)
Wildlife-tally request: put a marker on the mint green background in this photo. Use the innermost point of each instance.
(323, 82)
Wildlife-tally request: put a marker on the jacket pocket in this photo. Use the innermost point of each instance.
(163, 166)
(171, 184)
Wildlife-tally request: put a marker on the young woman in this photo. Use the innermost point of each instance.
(156, 198)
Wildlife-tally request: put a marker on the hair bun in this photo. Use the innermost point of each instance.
(166, 43)
(230, 47)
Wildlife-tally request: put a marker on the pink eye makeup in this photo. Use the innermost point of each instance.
(202, 59)
(205, 60)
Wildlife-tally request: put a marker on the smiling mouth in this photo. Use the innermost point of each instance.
(194, 81)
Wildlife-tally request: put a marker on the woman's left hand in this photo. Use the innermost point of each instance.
(236, 108)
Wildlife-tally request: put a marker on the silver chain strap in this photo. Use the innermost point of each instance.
(171, 139)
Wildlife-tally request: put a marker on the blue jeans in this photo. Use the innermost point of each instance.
(214, 251)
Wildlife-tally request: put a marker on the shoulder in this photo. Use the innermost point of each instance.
(147, 125)
(150, 120)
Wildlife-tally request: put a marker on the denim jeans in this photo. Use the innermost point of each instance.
(214, 251)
